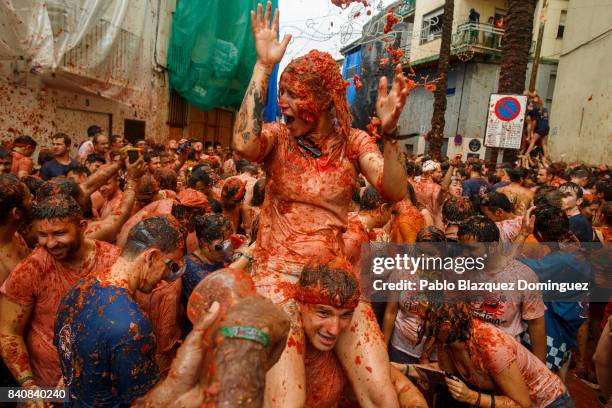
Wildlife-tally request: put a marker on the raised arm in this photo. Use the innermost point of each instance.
(108, 228)
(449, 173)
(98, 179)
(389, 177)
(248, 139)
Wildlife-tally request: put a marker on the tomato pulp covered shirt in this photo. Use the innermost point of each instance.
(307, 199)
(493, 351)
(41, 281)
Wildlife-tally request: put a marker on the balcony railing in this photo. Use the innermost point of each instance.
(406, 8)
(477, 36)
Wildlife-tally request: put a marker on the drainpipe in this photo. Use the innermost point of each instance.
(538, 50)
(158, 67)
(461, 97)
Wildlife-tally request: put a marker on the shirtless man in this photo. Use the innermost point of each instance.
(107, 199)
(373, 213)
(429, 192)
(434, 186)
(249, 211)
(248, 174)
(32, 292)
(232, 198)
(15, 202)
(23, 148)
(518, 195)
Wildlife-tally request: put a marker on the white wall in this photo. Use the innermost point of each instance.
(466, 111)
(580, 117)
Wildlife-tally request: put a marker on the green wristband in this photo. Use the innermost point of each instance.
(25, 379)
(246, 333)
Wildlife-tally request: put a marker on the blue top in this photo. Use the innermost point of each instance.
(581, 228)
(106, 346)
(565, 312)
(542, 119)
(196, 270)
(475, 187)
(53, 168)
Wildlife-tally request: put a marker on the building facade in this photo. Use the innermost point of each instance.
(65, 66)
(69, 66)
(580, 113)
(473, 71)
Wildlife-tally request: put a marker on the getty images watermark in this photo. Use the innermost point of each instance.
(488, 271)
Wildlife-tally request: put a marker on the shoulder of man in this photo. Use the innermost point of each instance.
(106, 250)
(24, 280)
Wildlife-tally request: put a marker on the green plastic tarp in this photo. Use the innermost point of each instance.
(211, 53)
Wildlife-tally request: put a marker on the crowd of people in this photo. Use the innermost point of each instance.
(182, 274)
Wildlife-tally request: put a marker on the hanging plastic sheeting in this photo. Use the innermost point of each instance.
(102, 46)
(350, 68)
(212, 52)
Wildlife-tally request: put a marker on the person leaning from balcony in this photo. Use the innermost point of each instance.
(61, 162)
(474, 19)
(87, 147)
(23, 148)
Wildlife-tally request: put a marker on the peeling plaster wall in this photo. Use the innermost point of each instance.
(41, 105)
(30, 105)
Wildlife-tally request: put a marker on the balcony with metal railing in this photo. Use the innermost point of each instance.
(479, 37)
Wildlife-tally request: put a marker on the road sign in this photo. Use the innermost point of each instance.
(505, 121)
(507, 108)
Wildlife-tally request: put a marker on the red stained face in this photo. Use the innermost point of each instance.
(154, 164)
(157, 268)
(101, 145)
(323, 324)
(60, 237)
(110, 188)
(289, 103)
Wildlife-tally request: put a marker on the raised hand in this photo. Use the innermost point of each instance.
(389, 106)
(456, 161)
(269, 50)
(528, 222)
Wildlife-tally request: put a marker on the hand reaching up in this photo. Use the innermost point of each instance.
(269, 50)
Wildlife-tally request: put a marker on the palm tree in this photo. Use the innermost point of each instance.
(436, 134)
(516, 44)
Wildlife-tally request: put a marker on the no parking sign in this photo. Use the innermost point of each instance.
(505, 121)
